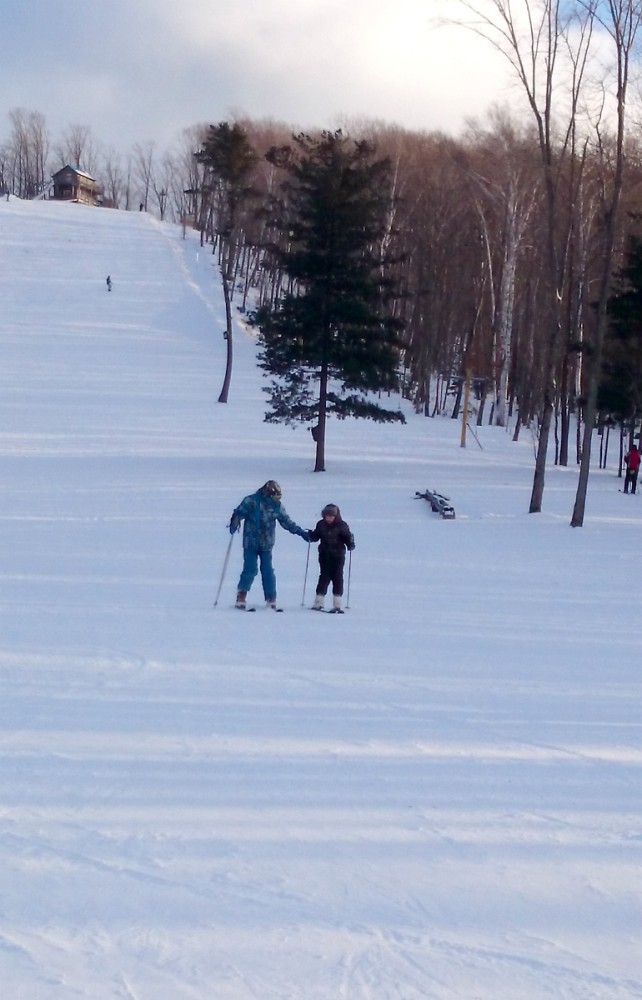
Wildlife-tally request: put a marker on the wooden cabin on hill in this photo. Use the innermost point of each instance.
(71, 184)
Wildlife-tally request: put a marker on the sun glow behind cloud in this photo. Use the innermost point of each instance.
(150, 68)
(317, 58)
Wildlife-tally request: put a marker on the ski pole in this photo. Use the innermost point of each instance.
(305, 578)
(225, 562)
(349, 575)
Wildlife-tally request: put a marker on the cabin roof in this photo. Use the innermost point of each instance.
(74, 170)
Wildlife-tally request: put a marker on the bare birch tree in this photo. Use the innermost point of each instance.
(547, 43)
(504, 196)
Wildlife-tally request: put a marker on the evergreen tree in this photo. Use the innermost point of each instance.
(331, 339)
(621, 385)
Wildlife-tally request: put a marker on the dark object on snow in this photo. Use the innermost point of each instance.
(108, 281)
(440, 504)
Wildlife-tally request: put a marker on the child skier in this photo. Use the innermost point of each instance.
(335, 537)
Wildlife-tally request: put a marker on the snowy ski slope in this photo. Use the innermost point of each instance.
(433, 797)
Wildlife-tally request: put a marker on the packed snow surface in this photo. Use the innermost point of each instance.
(433, 797)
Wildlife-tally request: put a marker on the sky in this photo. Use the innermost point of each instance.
(141, 70)
(435, 796)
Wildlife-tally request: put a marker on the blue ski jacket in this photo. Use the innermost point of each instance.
(259, 514)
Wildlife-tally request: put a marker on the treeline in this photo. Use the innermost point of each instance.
(508, 239)
(469, 223)
(145, 174)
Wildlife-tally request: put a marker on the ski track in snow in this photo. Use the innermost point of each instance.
(433, 797)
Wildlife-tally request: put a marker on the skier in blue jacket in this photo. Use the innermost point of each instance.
(259, 512)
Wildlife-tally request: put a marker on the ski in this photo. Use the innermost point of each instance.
(247, 610)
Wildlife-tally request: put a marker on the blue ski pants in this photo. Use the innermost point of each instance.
(251, 559)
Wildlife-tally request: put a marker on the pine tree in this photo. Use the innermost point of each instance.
(621, 384)
(331, 339)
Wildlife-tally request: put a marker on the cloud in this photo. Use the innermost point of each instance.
(145, 69)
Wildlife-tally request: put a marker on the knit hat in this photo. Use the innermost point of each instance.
(272, 489)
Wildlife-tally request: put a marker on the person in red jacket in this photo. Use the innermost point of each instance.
(632, 462)
(335, 537)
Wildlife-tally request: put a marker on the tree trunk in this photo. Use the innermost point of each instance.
(564, 414)
(624, 28)
(514, 232)
(228, 338)
(319, 464)
(540, 461)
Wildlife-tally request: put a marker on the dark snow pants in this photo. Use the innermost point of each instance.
(331, 566)
(631, 479)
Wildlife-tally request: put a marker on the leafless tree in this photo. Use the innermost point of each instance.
(505, 193)
(27, 151)
(547, 44)
(230, 159)
(78, 147)
(143, 169)
(621, 20)
(128, 182)
(113, 178)
(161, 181)
(186, 177)
(4, 184)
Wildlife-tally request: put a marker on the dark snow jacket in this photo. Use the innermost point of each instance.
(334, 538)
(260, 514)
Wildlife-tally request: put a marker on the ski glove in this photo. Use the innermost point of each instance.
(235, 523)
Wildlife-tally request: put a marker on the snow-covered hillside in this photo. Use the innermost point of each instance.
(433, 797)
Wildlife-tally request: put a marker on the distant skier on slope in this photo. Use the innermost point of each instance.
(260, 511)
(334, 537)
(108, 281)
